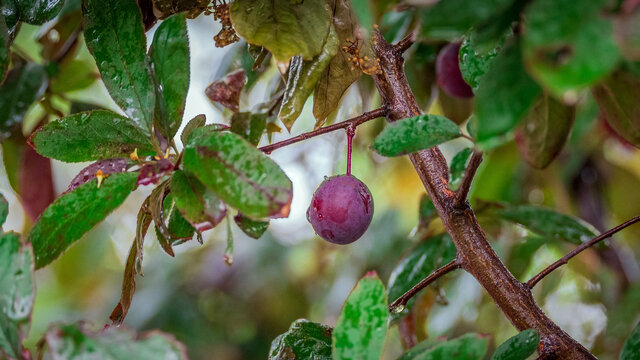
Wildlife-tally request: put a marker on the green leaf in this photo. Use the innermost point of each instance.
(361, 328)
(17, 293)
(4, 48)
(179, 228)
(413, 134)
(426, 257)
(37, 12)
(10, 12)
(114, 34)
(75, 213)
(617, 97)
(518, 347)
(303, 75)
(522, 253)
(303, 340)
(548, 223)
(24, 85)
(197, 204)
(631, 347)
(505, 94)
(133, 266)
(170, 60)
(427, 211)
(544, 131)
(466, 347)
(286, 28)
(4, 209)
(241, 175)
(475, 59)
(73, 75)
(248, 125)
(448, 20)
(253, 228)
(340, 73)
(567, 44)
(197, 122)
(93, 135)
(76, 342)
(459, 164)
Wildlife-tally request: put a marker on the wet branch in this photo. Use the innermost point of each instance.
(469, 173)
(565, 259)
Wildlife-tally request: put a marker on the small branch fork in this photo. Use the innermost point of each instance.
(347, 124)
(565, 259)
(469, 173)
(402, 300)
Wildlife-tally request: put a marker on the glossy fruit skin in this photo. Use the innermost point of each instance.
(448, 74)
(341, 209)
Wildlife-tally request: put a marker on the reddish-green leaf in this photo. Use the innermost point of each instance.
(544, 131)
(114, 33)
(303, 340)
(88, 136)
(250, 126)
(253, 228)
(36, 183)
(241, 175)
(75, 213)
(199, 205)
(106, 167)
(361, 328)
(226, 91)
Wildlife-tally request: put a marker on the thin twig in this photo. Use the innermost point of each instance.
(374, 114)
(406, 42)
(565, 259)
(469, 173)
(402, 300)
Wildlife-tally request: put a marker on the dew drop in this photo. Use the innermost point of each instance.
(398, 309)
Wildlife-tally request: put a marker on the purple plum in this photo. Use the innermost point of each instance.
(448, 72)
(341, 209)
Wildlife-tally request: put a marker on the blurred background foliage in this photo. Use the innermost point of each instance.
(222, 312)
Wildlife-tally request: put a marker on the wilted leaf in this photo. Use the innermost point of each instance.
(303, 340)
(152, 173)
(340, 73)
(192, 8)
(241, 175)
(253, 228)
(250, 126)
(466, 347)
(426, 257)
(24, 85)
(226, 92)
(361, 328)
(448, 20)
(567, 44)
(133, 266)
(88, 136)
(286, 28)
(77, 212)
(631, 347)
(504, 95)
(170, 60)
(76, 342)
(199, 205)
(37, 12)
(114, 33)
(17, 293)
(36, 183)
(548, 223)
(617, 97)
(106, 167)
(518, 347)
(414, 134)
(303, 75)
(544, 131)
(197, 122)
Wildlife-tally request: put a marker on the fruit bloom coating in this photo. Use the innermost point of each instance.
(448, 73)
(341, 209)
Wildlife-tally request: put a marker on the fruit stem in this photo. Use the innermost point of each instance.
(351, 131)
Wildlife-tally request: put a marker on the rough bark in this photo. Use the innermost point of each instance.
(475, 254)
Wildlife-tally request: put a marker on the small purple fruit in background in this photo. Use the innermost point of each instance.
(341, 209)
(448, 73)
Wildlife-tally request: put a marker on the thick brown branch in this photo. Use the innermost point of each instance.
(402, 300)
(469, 173)
(353, 122)
(565, 259)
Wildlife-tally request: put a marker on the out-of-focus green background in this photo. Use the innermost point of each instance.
(222, 312)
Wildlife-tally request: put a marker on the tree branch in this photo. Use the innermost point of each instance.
(353, 122)
(469, 173)
(402, 300)
(405, 43)
(565, 259)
